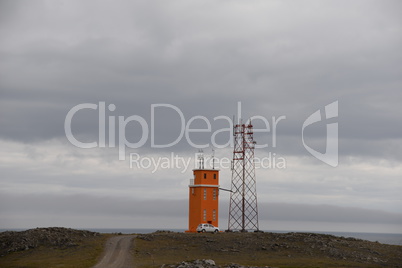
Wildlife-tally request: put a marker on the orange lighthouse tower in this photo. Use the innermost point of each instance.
(203, 198)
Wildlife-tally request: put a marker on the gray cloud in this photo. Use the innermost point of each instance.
(277, 58)
(137, 61)
(327, 213)
(113, 208)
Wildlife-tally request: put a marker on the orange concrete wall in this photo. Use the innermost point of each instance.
(204, 180)
(199, 177)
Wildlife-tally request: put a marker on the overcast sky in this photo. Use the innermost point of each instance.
(275, 59)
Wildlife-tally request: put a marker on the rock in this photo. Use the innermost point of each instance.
(206, 264)
(195, 264)
(210, 262)
(145, 237)
(57, 237)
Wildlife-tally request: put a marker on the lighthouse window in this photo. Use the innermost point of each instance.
(214, 215)
(215, 176)
(205, 175)
(214, 194)
(205, 215)
(205, 194)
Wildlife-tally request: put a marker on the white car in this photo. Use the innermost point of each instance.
(205, 227)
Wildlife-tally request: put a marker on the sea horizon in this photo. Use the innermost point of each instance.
(384, 238)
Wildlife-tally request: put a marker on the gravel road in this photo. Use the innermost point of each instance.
(117, 253)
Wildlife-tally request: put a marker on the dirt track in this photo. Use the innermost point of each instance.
(117, 253)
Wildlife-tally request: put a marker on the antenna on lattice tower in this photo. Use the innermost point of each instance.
(243, 211)
(200, 159)
(213, 158)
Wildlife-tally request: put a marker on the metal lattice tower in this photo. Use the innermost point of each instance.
(243, 212)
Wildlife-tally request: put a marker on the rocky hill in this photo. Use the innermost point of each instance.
(171, 249)
(265, 249)
(54, 237)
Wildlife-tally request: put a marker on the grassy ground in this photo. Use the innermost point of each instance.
(277, 250)
(85, 254)
(268, 249)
